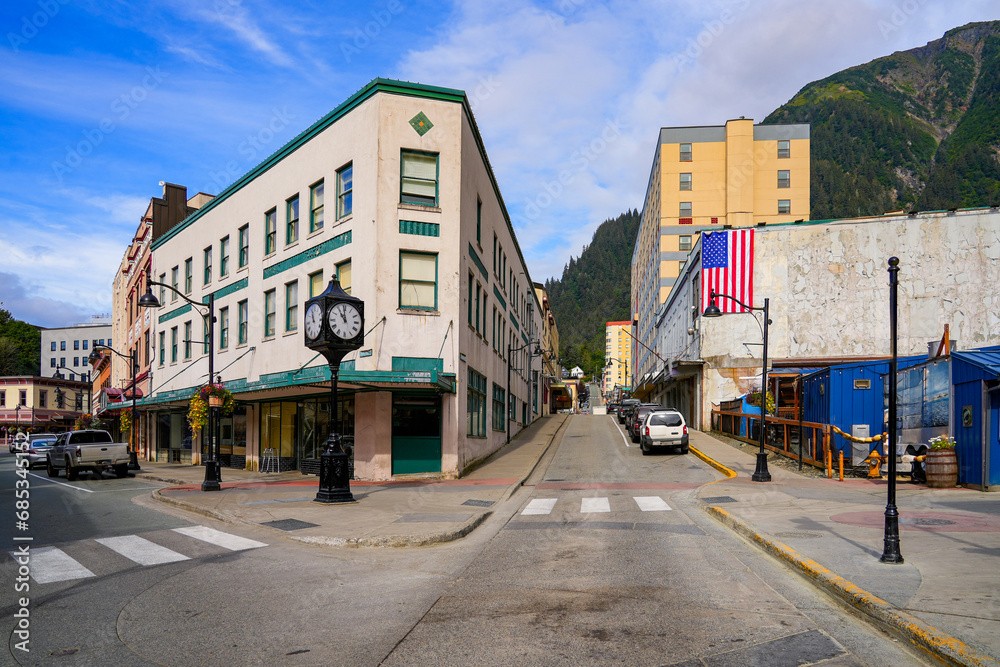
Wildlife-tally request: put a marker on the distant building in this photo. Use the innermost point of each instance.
(617, 356)
(65, 349)
(41, 404)
(704, 178)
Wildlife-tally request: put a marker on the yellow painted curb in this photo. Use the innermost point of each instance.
(729, 473)
(940, 645)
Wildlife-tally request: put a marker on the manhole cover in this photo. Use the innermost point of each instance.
(925, 521)
(797, 534)
(290, 524)
(479, 503)
(719, 499)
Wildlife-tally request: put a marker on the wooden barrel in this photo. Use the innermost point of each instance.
(942, 468)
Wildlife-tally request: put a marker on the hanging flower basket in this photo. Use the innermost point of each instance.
(213, 395)
(125, 422)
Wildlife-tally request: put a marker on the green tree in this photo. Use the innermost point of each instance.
(20, 346)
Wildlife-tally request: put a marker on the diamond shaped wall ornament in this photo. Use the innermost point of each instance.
(421, 123)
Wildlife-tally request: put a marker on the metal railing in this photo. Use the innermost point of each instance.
(788, 437)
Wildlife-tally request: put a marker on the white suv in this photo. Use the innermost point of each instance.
(663, 428)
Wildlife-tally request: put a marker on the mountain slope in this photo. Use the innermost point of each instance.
(918, 129)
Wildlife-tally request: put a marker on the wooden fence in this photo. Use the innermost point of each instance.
(787, 437)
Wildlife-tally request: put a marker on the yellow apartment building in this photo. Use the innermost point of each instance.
(708, 177)
(617, 356)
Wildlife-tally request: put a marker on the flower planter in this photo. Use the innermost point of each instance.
(942, 468)
(215, 401)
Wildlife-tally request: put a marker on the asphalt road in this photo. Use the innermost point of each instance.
(642, 577)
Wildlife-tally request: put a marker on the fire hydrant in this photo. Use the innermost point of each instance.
(874, 462)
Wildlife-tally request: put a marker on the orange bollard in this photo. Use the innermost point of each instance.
(842, 465)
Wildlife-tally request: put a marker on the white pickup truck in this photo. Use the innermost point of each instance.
(87, 450)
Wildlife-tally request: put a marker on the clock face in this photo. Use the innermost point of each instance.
(345, 321)
(314, 321)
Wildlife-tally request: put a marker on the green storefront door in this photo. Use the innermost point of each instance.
(416, 435)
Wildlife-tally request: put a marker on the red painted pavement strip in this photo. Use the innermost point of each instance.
(914, 521)
(402, 483)
(582, 486)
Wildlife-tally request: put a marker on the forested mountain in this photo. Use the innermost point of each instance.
(20, 346)
(918, 129)
(593, 290)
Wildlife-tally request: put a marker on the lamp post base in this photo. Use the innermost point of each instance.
(213, 477)
(890, 549)
(133, 460)
(334, 481)
(761, 474)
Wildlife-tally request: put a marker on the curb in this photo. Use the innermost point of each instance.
(715, 464)
(944, 647)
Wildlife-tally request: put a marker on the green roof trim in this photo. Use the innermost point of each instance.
(312, 253)
(419, 228)
(176, 312)
(499, 297)
(417, 364)
(478, 262)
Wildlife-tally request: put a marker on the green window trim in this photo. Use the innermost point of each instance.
(292, 306)
(291, 219)
(242, 311)
(345, 191)
(316, 206)
(244, 245)
(188, 277)
(415, 282)
(414, 182)
(269, 313)
(224, 257)
(270, 231)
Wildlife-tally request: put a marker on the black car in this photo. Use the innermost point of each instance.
(626, 406)
(638, 415)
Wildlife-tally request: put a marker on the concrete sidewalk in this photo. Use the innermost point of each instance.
(944, 598)
(408, 512)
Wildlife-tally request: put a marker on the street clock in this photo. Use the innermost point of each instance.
(334, 322)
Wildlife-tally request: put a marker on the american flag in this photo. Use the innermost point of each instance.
(727, 267)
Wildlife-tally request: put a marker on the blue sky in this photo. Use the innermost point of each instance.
(100, 101)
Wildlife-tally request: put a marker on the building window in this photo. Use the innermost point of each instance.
(784, 148)
(684, 242)
(223, 328)
(206, 331)
(472, 281)
(187, 340)
(207, 261)
(244, 245)
(43, 399)
(76, 345)
(499, 398)
(173, 283)
(315, 283)
(269, 313)
(292, 220)
(53, 346)
(418, 280)
(85, 341)
(241, 314)
(316, 207)
(685, 181)
(270, 230)
(479, 222)
(685, 209)
(76, 361)
(418, 178)
(784, 206)
(23, 397)
(345, 191)
(344, 275)
(52, 364)
(292, 306)
(685, 152)
(173, 345)
(3, 399)
(163, 290)
(680, 266)
(62, 346)
(224, 257)
(163, 349)
(475, 405)
(784, 178)
(188, 270)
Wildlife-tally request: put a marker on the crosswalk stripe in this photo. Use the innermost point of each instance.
(49, 564)
(540, 506)
(218, 538)
(140, 550)
(651, 503)
(588, 505)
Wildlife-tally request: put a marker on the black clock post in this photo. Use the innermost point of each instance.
(334, 327)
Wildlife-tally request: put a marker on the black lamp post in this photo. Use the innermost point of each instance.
(95, 356)
(84, 377)
(213, 472)
(890, 550)
(761, 474)
(537, 352)
(620, 361)
(17, 418)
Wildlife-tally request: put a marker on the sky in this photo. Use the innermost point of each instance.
(101, 100)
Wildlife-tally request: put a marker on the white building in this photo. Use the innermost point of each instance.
(65, 349)
(427, 244)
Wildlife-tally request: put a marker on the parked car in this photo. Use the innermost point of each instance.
(638, 415)
(612, 407)
(94, 450)
(625, 407)
(38, 448)
(15, 442)
(663, 428)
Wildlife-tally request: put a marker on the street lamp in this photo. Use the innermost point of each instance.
(213, 472)
(84, 377)
(620, 361)
(761, 474)
(890, 551)
(17, 418)
(537, 352)
(95, 356)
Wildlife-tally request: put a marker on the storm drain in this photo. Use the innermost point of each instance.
(290, 524)
(719, 499)
(924, 521)
(479, 503)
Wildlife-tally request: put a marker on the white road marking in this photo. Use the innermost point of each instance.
(588, 505)
(218, 538)
(540, 506)
(52, 481)
(651, 504)
(621, 430)
(49, 564)
(141, 551)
